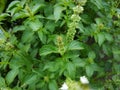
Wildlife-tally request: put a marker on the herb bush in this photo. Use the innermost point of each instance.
(44, 43)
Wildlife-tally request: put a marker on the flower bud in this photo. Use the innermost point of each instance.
(60, 45)
(75, 18)
(82, 2)
(70, 34)
(78, 9)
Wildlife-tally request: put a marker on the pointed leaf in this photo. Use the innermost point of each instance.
(101, 38)
(12, 4)
(2, 5)
(58, 11)
(98, 20)
(27, 36)
(11, 75)
(35, 25)
(3, 16)
(29, 79)
(89, 71)
(75, 45)
(108, 37)
(48, 49)
(50, 25)
(36, 8)
(19, 15)
(53, 85)
(24, 47)
(79, 62)
(71, 69)
(18, 28)
(42, 36)
(98, 3)
(71, 54)
(92, 55)
(2, 82)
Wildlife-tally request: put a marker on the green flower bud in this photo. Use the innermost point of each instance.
(46, 79)
(70, 34)
(75, 18)
(60, 44)
(82, 2)
(73, 25)
(78, 9)
(100, 26)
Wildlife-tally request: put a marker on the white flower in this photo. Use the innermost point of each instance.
(64, 87)
(84, 80)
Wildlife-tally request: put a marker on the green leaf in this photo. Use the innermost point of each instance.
(27, 36)
(36, 7)
(86, 19)
(11, 75)
(18, 28)
(42, 36)
(19, 60)
(101, 38)
(2, 5)
(2, 36)
(116, 67)
(3, 16)
(34, 24)
(16, 61)
(79, 62)
(24, 47)
(2, 82)
(108, 37)
(48, 10)
(6, 88)
(89, 70)
(58, 11)
(19, 15)
(98, 21)
(12, 4)
(32, 86)
(51, 66)
(71, 69)
(48, 49)
(53, 85)
(14, 10)
(50, 25)
(17, 88)
(71, 54)
(91, 54)
(29, 79)
(75, 45)
(98, 3)
(81, 27)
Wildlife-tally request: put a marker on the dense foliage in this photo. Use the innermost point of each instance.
(44, 43)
